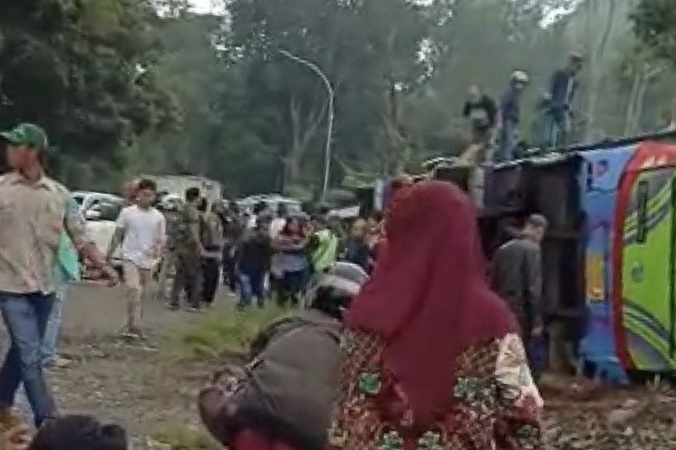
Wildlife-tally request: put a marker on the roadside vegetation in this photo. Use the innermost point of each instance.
(221, 333)
(218, 338)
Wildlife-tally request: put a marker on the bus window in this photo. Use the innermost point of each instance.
(642, 211)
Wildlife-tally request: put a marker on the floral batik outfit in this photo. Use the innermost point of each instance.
(493, 405)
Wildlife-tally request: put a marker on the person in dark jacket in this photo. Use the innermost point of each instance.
(516, 276)
(211, 235)
(254, 259)
(285, 394)
(510, 116)
(481, 111)
(563, 86)
(356, 249)
(233, 229)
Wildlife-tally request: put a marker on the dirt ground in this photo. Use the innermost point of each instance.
(151, 394)
(140, 388)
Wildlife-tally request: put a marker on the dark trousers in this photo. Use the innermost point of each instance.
(275, 286)
(188, 278)
(230, 278)
(291, 287)
(537, 347)
(537, 353)
(252, 285)
(210, 267)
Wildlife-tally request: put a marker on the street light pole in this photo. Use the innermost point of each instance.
(329, 126)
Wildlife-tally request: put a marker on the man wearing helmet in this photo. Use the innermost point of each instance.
(510, 116)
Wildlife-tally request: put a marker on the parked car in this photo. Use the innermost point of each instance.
(273, 201)
(100, 211)
(87, 199)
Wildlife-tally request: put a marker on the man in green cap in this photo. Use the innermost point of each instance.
(34, 211)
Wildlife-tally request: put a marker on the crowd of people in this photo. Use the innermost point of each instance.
(264, 255)
(398, 341)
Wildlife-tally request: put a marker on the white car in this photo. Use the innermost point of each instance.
(273, 202)
(100, 210)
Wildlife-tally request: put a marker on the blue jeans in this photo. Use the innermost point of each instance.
(537, 354)
(51, 339)
(553, 129)
(252, 285)
(507, 140)
(26, 317)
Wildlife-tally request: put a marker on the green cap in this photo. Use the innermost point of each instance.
(27, 134)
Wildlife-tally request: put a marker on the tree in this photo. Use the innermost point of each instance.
(654, 26)
(365, 48)
(83, 70)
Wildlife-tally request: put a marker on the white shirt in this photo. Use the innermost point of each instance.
(144, 235)
(276, 226)
(251, 223)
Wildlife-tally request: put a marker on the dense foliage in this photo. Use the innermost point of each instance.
(127, 86)
(76, 67)
(654, 24)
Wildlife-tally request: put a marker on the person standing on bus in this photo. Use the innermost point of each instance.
(564, 84)
(482, 112)
(510, 117)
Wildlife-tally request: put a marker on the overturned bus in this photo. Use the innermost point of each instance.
(610, 252)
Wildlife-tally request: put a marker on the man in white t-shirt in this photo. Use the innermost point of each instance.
(141, 229)
(277, 224)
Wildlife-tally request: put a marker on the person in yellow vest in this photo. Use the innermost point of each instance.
(323, 245)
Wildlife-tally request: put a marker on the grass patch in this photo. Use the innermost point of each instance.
(226, 332)
(184, 438)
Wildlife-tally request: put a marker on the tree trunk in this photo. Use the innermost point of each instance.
(640, 98)
(596, 66)
(397, 151)
(631, 107)
(303, 129)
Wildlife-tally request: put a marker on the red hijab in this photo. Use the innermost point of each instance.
(398, 186)
(428, 296)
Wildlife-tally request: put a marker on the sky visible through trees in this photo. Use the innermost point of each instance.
(218, 99)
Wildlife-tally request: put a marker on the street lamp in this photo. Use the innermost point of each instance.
(329, 126)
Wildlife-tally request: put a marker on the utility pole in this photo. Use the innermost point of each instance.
(330, 115)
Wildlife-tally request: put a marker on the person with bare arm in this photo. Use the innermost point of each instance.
(33, 213)
(141, 230)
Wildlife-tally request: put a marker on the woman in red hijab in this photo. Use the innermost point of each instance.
(399, 184)
(432, 358)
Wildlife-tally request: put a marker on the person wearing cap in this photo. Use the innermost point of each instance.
(563, 86)
(34, 210)
(516, 276)
(509, 117)
(285, 399)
